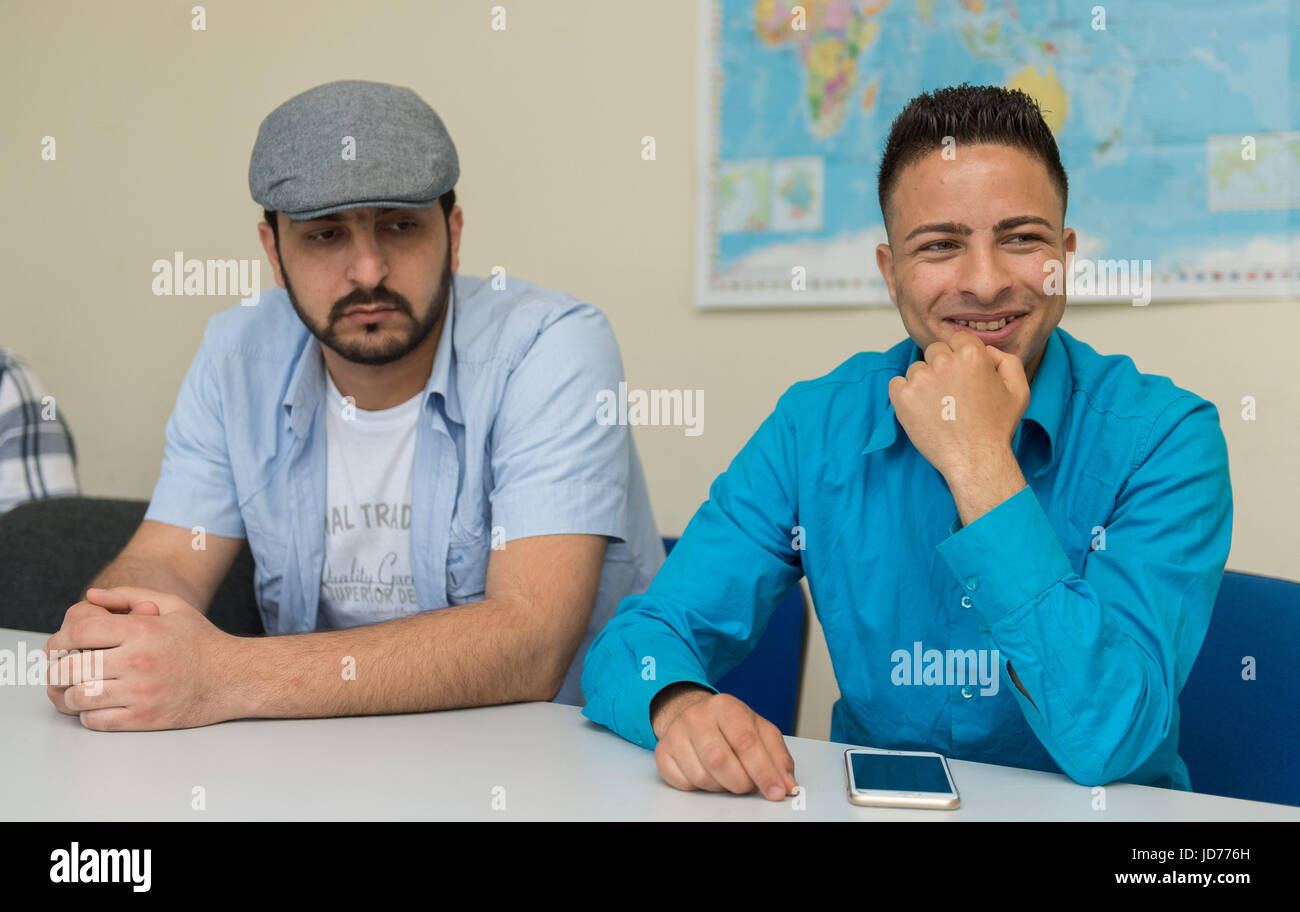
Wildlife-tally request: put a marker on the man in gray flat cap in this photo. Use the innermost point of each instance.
(437, 517)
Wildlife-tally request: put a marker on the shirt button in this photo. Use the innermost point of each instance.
(972, 583)
(968, 691)
(965, 601)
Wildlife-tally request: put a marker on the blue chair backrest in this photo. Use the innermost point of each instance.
(1240, 735)
(767, 680)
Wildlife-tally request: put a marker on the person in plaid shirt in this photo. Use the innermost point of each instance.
(37, 456)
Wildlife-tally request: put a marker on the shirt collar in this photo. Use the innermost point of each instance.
(307, 383)
(1048, 392)
(442, 379)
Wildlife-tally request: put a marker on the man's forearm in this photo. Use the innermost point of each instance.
(468, 655)
(146, 573)
(984, 483)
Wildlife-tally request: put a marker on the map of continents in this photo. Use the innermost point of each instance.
(1180, 145)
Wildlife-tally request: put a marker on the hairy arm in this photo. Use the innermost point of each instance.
(163, 557)
(515, 645)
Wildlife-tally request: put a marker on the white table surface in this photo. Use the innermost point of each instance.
(552, 763)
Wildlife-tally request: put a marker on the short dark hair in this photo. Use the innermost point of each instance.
(971, 115)
(448, 201)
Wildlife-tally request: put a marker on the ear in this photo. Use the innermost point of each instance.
(455, 224)
(267, 237)
(885, 263)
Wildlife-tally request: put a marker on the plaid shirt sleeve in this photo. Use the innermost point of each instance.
(37, 455)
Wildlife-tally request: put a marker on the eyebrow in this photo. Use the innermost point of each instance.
(1014, 221)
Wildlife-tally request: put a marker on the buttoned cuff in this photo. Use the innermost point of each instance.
(630, 708)
(1006, 557)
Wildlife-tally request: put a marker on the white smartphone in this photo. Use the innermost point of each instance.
(885, 778)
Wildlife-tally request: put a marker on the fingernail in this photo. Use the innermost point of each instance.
(775, 793)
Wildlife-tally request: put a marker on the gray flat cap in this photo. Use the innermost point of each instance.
(302, 165)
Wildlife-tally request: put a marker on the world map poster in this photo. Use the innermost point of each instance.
(1177, 123)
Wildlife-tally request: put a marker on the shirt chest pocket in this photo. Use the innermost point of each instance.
(467, 562)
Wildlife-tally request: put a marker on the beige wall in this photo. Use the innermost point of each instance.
(154, 124)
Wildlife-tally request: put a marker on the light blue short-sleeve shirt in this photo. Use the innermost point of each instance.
(508, 440)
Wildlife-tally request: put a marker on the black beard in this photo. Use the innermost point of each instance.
(396, 348)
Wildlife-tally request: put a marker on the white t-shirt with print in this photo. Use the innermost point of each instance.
(366, 577)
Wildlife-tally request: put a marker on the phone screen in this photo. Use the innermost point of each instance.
(899, 773)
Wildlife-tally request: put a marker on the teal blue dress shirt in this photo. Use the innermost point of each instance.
(1095, 581)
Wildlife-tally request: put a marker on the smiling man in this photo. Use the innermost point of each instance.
(988, 501)
(435, 514)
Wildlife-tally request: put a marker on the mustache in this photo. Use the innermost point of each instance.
(367, 297)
